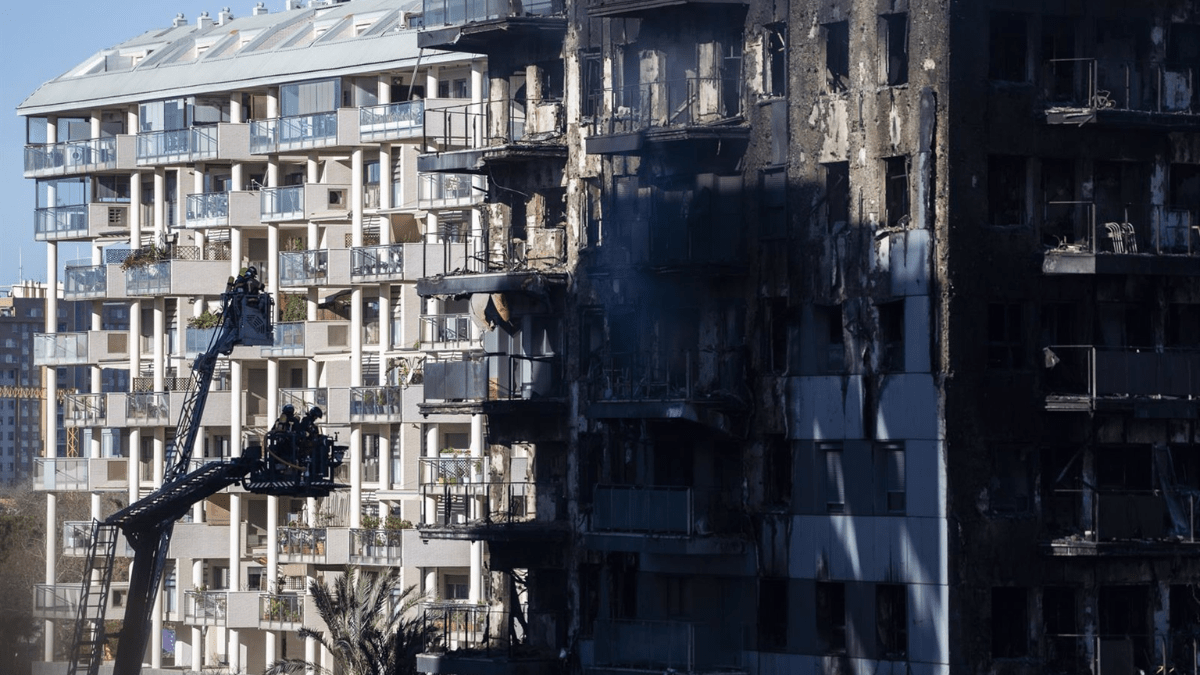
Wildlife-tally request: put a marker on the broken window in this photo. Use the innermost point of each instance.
(1058, 625)
(592, 76)
(1064, 217)
(1006, 190)
(1005, 336)
(837, 195)
(835, 481)
(891, 336)
(1183, 325)
(777, 471)
(1010, 623)
(892, 477)
(831, 617)
(1060, 324)
(1120, 192)
(1125, 627)
(1008, 47)
(831, 350)
(774, 203)
(891, 621)
(837, 56)
(895, 53)
(1062, 81)
(775, 79)
(772, 614)
(896, 188)
(777, 335)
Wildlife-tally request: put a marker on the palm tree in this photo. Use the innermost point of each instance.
(370, 630)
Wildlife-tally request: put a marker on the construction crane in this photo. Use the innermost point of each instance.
(298, 461)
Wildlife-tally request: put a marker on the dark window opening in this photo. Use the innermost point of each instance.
(896, 186)
(776, 61)
(1011, 482)
(1008, 47)
(456, 88)
(837, 195)
(1006, 190)
(835, 481)
(779, 328)
(891, 621)
(1125, 628)
(1185, 187)
(777, 472)
(1010, 623)
(895, 65)
(1065, 217)
(1184, 621)
(831, 354)
(1124, 469)
(1060, 324)
(1120, 192)
(1062, 75)
(893, 478)
(592, 73)
(772, 614)
(774, 204)
(1005, 336)
(831, 617)
(891, 336)
(837, 56)
(1183, 325)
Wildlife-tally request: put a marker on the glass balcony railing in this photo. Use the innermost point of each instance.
(60, 222)
(60, 473)
(208, 207)
(458, 12)
(205, 608)
(82, 283)
(152, 408)
(182, 145)
(297, 132)
(71, 157)
(305, 399)
(377, 263)
(303, 268)
(447, 331)
(289, 340)
(60, 349)
(375, 547)
(301, 544)
(55, 599)
(449, 190)
(149, 279)
(376, 404)
(85, 410)
(282, 203)
(391, 121)
(280, 608)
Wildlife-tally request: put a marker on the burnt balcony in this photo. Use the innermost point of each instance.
(79, 157)
(637, 8)
(692, 109)
(461, 499)
(87, 282)
(472, 382)
(486, 26)
(181, 146)
(468, 638)
(493, 131)
(295, 133)
(476, 265)
(1124, 522)
(673, 520)
(638, 645)
(1089, 238)
(1121, 94)
(452, 332)
(450, 190)
(1148, 382)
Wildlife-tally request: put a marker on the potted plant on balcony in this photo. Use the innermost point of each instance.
(206, 319)
(146, 255)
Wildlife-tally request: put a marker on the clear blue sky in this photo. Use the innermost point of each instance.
(41, 41)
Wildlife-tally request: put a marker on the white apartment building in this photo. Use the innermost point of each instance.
(285, 141)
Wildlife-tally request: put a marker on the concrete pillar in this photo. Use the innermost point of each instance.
(51, 567)
(383, 88)
(235, 251)
(133, 473)
(431, 82)
(197, 634)
(385, 192)
(355, 459)
(385, 328)
(476, 581)
(237, 176)
(236, 413)
(236, 115)
(94, 124)
(156, 629)
(432, 446)
(234, 650)
(160, 204)
(272, 281)
(385, 458)
(50, 374)
(158, 347)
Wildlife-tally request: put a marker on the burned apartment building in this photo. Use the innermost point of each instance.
(755, 337)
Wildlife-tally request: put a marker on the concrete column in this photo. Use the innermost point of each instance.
(476, 581)
(158, 343)
(237, 176)
(310, 650)
(51, 567)
(312, 169)
(383, 88)
(235, 251)
(234, 650)
(356, 326)
(156, 629)
(236, 387)
(133, 472)
(160, 204)
(94, 124)
(50, 374)
(385, 192)
(356, 197)
(51, 129)
(385, 328)
(270, 642)
(235, 542)
(135, 210)
(385, 458)
(355, 458)
(197, 634)
(431, 589)
(432, 446)
(236, 115)
(431, 82)
(273, 282)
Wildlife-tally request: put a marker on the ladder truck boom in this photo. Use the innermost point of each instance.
(297, 460)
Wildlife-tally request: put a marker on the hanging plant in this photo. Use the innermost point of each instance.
(293, 307)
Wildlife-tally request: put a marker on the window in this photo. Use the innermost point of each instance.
(891, 336)
(1011, 482)
(831, 617)
(591, 68)
(837, 56)
(307, 98)
(774, 203)
(457, 587)
(835, 482)
(772, 614)
(895, 54)
(893, 478)
(831, 355)
(777, 471)
(1006, 190)
(896, 191)
(891, 621)
(455, 88)
(775, 44)
(1005, 329)
(1010, 623)
(1008, 45)
(837, 195)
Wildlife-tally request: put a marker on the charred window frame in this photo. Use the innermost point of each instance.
(772, 614)
(774, 203)
(837, 56)
(591, 68)
(835, 477)
(837, 195)
(1005, 336)
(893, 64)
(831, 342)
(831, 617)
(891, 336)
(777, 472)
(892, 478)
(777, 337)
(775, 59)
(1008, 47)
(896, 191)
(891, 621)
(1007, 191)
(1010, 622)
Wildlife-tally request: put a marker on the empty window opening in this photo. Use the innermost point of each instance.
(837, 56)
(592, 74)
(1183, 325)
(1011, 482)
(776, 59)
(891, 621)
(1008, 47)
(896, 187)
(891, 336)
(837, 195)
(1125, 628)
(892, 478)
(1006, 190)
(774, 203)
(831, 350)
(777, 467)
(831, 617)
(1005, 336)
(772, 614)
(778, 334)
(1010, 623)
(895, 54)
(1065, 218)
(1184, 621)
(835, 482)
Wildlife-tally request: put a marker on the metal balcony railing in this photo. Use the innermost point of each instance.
(496, 377)
(377, 263)
(296, 132)
(1086, 227)
(1087, 372)
(149, 279)
(377, 404)
(646, 377)
(60, 222)
(391, 121)
(470, 125)
(303, 268)
(448, 331)
(205, 608)
(376, 547)
(289, 340)
(660, 510)
(301, 544)
(468, 499)
(85, 410)
(58, 159)
(668, 103)
(60, 349)
(1112, 84)
(55, 599)
(280, 608)
(60, 473)
(304, 399)
(147, 409)
(82, 283)
(282, 203)
(182, 145)
(458, 12)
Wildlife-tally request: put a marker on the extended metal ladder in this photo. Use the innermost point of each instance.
(88, 650)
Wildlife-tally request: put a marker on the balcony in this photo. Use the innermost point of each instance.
(301, 544)
(494, 384)
(305, 399)
(222, 209)
(147, 409)
(636, 8)
(60, 474)
(77, 537)
(391, 121)
(85, 283)
(1131, 239)
(175, 276)
(293, 134)
(280, 611)
(376, 547)
(453, 332)
(462, 501)
(182, 146)
(1121, 94)
(676, 520)
(450, 191)
(61, 601)
(1144, 381)
(309, 338)
(384, 404)
(57, 223)
(77, 349)
(85, 410)
(694, 109)
(206, 608)
(467, 638)
(1124, 523)
(399, 262)
(76, 157)
(303, 268)
(304, 202)
(499, 130)
(666, 646)
(486, 26)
